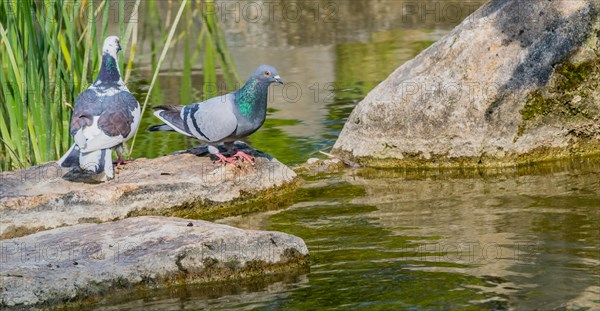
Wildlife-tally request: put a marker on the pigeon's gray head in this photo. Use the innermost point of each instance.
(112, 45)
(267, 74)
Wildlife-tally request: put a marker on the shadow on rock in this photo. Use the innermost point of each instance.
(202, 150)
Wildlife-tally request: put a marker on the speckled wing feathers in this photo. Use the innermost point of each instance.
(106, 117)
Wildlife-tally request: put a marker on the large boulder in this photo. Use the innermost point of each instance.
(90, 260)
(517, 81)
(183, 185)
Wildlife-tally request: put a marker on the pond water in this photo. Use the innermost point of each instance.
(520, 238)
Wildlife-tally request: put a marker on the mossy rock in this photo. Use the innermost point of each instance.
(498, 90)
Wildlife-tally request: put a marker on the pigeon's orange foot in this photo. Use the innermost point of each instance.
(225, 160)
(245, 156)
(122, 162)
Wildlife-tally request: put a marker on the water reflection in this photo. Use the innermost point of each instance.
(538, 231)
(520, 238)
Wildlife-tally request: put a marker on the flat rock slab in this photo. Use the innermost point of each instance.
(42, 198)
(71, 263)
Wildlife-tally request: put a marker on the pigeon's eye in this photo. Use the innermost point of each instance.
(267, 73)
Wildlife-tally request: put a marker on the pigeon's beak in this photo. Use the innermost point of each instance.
(278, 79)
(118, 47)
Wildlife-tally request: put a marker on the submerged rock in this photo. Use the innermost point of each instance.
(515, 82)
(85, 261)
(182, 184)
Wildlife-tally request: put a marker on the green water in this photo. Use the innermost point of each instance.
(521, 239)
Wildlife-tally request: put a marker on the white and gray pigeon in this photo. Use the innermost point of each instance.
(223, 119)
(105, 115)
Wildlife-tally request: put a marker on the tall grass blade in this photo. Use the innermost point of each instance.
(9, 50)
(160, 61)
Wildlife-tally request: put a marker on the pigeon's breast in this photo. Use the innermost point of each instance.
(247, 126)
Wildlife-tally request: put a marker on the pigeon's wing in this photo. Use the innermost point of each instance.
(120, 115)
(84, 111)
(104, 120)
(171, 115)
(212, 120)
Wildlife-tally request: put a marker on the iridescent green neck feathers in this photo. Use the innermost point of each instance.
(251, 99)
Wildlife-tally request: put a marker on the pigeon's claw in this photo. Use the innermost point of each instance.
(245, 156)
(122, 162)
(225, 160)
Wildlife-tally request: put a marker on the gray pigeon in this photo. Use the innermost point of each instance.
(105, 116)
(223, 119)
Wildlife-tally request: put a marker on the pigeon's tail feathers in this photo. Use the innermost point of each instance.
(98, 161)
(71, 158)
(171, 108)
(171, 115)
(160, 127)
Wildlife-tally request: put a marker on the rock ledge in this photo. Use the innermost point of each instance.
(84, 261)
(182, 184)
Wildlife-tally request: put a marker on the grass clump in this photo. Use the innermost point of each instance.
(50, 51)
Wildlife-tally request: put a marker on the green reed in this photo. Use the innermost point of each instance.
(210, 41)
(50, 51)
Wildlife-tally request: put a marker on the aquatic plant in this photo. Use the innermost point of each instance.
(50, 52)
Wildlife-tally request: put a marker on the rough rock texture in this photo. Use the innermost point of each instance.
(71, 263)
(41, 198)
(516, 81)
